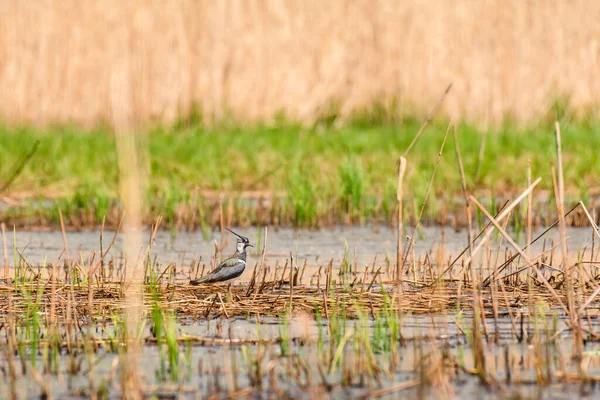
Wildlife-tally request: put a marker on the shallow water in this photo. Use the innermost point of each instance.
(207, 369)
(364, 246)
(209, 366)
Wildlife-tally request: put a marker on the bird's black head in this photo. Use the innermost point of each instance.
(242, 242)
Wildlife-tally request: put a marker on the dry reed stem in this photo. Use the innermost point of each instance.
(486, 281)
(500, 217)
(529, 209)
(595, 229)
(5, 248)
(291, 277)
(529, 233)
(254, 286)
(11, 343)
(479, 358)
(63, 232)
(437, 162)
(427, 120)
(130, 189)
(44, 386)
(481, 232)
(518, 249)
(463, 182)
(560, 205)
(493, 277)
(392, 389)
(221, 225)
(399, 197)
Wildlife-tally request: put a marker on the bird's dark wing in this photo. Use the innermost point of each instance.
(228, 269)
(230, 262)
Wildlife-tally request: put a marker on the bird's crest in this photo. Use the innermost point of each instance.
(242, 242)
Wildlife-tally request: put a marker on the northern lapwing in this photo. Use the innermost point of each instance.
(231, 268)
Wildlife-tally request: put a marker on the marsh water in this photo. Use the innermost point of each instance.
(374, 246)
(206, 369)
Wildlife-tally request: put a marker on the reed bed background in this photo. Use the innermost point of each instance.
(254, 59)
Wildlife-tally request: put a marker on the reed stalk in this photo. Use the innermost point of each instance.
(130, 189)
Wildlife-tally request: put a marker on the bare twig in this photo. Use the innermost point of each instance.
(428, 120)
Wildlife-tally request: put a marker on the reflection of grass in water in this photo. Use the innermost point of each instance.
(284, 334)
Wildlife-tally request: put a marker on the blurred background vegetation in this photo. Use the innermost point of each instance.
(291, 113)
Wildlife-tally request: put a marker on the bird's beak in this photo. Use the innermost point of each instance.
(249, 245)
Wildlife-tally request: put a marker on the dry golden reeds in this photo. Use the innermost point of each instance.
(252, 59)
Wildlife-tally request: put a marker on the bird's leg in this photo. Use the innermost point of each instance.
(229, 292)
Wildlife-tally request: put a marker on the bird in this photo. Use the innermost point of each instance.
(230, 268)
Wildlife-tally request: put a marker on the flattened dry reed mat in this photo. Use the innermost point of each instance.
(81, 301)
